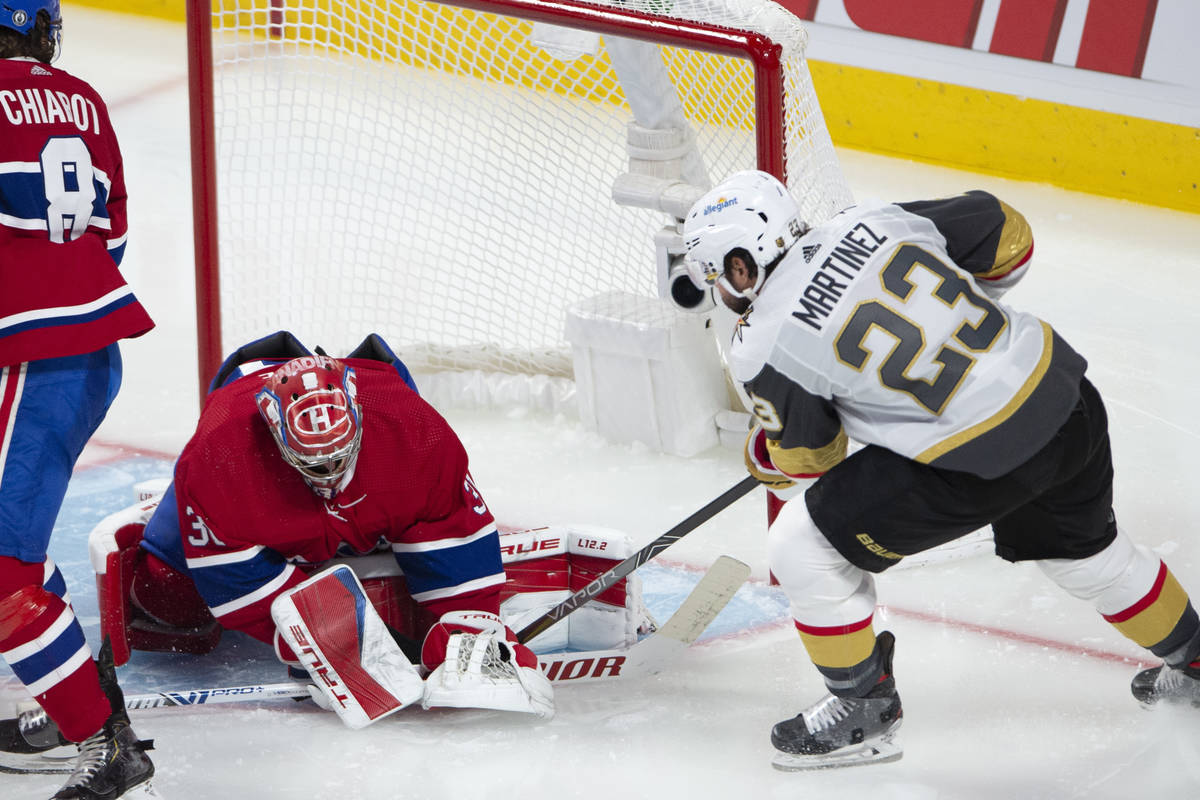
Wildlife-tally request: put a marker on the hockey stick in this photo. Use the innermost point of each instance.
(60, 760)
(609, 579)
(702, 605)
(223, 694)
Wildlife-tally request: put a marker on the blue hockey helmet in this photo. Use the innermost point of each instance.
(20, 15)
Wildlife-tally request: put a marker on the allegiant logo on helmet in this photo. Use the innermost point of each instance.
(720, 205)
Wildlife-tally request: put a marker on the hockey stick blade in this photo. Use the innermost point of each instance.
(609, 579)
(650, 655)
(706, 600)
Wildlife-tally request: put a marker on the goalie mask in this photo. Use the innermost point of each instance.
(750, 214)
(310, 404)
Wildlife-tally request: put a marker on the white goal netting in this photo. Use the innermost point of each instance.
(433, 174)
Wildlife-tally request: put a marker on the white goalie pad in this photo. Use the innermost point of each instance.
(337, 635)
(481, 670)
(546, 565)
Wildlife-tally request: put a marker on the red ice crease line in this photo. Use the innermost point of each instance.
(120, 452)
(162, 87)
(1018, 636)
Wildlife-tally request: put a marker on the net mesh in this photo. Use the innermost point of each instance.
(431, 174)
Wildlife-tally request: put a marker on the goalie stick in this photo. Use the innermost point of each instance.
(608, 579)
(650, 655)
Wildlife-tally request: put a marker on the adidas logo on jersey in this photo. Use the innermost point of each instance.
(810, 250)
(38, 69)
(742, 323)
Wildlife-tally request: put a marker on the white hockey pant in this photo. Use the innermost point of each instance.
(1114, 580)
(823, 588)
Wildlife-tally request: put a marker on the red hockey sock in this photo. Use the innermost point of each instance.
(44, 644)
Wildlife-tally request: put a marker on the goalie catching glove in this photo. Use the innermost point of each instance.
(475, 661)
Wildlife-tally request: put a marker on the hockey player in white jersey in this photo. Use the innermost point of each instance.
(885, 326)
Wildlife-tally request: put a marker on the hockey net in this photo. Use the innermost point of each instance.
(443, 174)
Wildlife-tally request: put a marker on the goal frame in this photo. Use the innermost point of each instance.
(763, 54)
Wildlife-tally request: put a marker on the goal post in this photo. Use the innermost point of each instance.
(450, 175)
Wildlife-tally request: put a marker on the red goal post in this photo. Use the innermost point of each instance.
(433, 172)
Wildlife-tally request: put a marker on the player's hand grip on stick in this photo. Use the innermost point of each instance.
(610, 578)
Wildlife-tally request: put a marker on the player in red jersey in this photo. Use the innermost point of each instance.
(299, 459)
(63, 307)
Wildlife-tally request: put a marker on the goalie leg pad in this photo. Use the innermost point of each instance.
(339, 638)
(145, 603)
(545, 565)
(479, 664)
(617, 616)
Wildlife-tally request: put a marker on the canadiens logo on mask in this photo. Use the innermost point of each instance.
(310, 405)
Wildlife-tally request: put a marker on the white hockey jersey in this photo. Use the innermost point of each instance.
(883, 325)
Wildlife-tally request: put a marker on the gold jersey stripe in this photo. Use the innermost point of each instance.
(1010, 408)
(1016, 240)
(809, 460)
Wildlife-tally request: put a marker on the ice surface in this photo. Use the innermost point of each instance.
(1011, 688)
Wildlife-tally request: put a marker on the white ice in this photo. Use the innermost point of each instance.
(1011, 688)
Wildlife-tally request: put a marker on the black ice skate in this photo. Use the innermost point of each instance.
(1167, 685)
(844, 731)
(31, 744)
(112, 763)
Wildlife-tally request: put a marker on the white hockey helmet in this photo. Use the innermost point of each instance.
(750, 211)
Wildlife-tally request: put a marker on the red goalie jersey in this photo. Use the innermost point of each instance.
(248, 520)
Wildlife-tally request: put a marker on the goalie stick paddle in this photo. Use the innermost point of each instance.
(609, 579)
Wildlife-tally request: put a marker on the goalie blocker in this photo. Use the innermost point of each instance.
(147, 605)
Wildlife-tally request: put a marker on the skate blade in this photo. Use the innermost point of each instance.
(880, 751)
(143, 791)
(59, 761)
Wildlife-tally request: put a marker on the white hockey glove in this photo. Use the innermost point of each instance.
(335, 633)
(476, 662)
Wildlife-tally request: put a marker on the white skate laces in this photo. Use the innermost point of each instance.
(844, 731)
(94, 753)
(825, 713)
(1167, 685)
